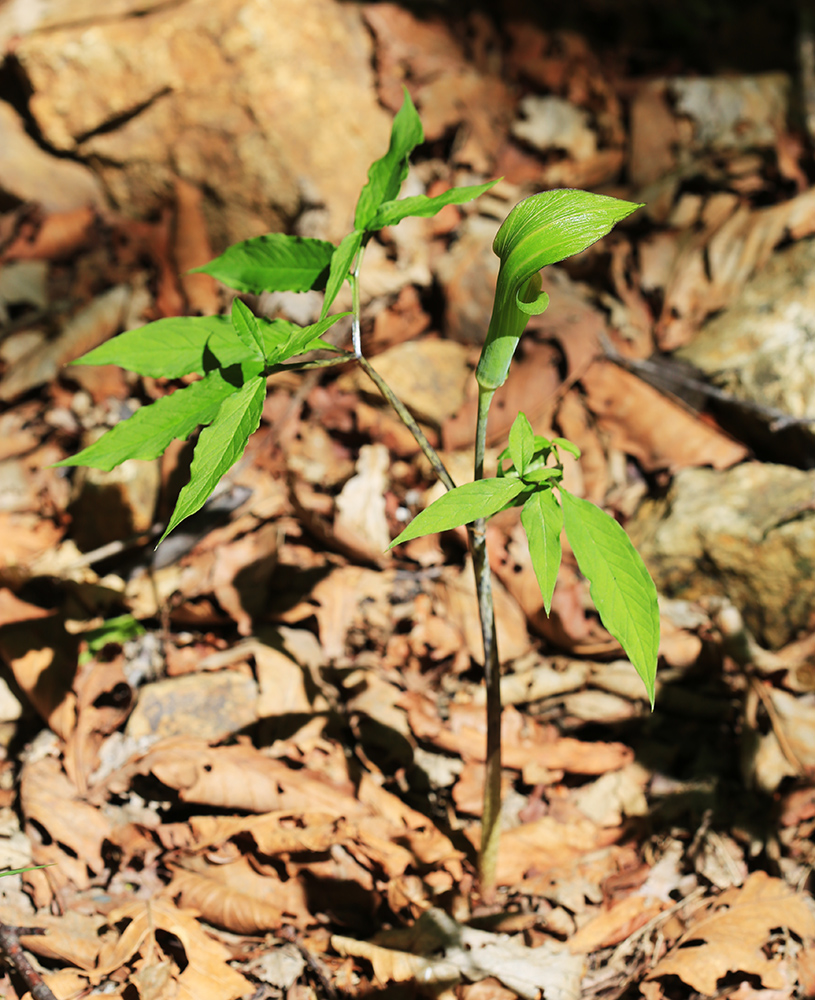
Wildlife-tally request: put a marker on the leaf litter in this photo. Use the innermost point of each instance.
(293, 750)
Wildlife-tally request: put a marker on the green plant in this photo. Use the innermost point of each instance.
(233, 357)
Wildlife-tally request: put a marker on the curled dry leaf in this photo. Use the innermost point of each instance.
(206, 976)
(238, 777)
(74, 831)
(732, 936)
(223, 904)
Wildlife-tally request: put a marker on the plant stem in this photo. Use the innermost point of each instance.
(490, 825)
(491, 815)
(406, 417)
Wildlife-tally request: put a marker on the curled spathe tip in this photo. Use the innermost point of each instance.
(542, 229)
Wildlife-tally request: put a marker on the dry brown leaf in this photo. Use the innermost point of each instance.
(524, 740)
(614, 925)
(103, 699)
(534, 849)
(91, 326)
(732, 936)
(12, 609)
(53, 237)
(716, 264)
(42, 656)
(224, 905)
(391, 966)
(239, 777)
(75, 830)
(273, 833)
(191, 248)
(207, 976)
(72, 937)
(658, 432)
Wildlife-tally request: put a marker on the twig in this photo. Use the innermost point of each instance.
(315, 968)
(13, 951)
(658, 375)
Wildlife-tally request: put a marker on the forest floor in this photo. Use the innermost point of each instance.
(253, 757)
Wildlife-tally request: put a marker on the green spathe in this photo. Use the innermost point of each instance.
(543, 229)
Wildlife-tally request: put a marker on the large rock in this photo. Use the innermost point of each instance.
(747, 534)
(265, 105)
(762, 347)
(29, 173)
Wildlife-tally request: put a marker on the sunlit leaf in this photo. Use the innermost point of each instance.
(275, 262)
(621, 587)
(542, 520)
(462, 505)
(219, 446)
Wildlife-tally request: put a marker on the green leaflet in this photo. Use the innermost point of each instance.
(22, 871)
(340, 266)
(115, 630)
(185, 345)
(540, 230)
(290, 339)
(542, 520)
(275, 262)
(462, 505)
(621, 588)
(246, 326)
(421, 206)
(387, 174)
(170, 348)
(147, 433)
(521, 443)
(219, 446)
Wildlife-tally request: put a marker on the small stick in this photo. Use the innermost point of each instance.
(315, 968)
(13, 950)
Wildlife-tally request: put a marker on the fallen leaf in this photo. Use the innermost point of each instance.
(732, 936)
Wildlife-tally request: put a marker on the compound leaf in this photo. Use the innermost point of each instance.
(171, 348)
(219, 446)
(386, 174)
(275, 262)
(621, 587)
(422, 206)
(147, 433)
(542, 520)
(462, 505)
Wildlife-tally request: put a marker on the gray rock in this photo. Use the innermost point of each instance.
(747, 534)
(762, 347)
(207, 705)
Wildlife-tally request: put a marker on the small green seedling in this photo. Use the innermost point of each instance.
(233, 356)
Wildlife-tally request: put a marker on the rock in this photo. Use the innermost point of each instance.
(736, 112)
(747, 534)
(28, 173)
(552, 123)
(114, 505)
(209, 706)
(266, 104)
(762, 347)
